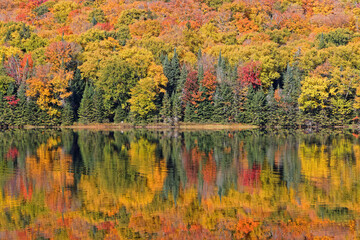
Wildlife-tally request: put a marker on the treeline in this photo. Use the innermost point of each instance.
(218, 93)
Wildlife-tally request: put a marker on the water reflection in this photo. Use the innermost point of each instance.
(144, 184)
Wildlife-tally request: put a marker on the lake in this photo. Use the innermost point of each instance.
(65, 184)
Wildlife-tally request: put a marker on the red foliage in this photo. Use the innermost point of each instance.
(12, 153)
(18, 69)
(12, 100)
(250, 177)
(250, 74)
(191, 88)
(65, 30)
(105, 226)
(209, 83)
(26, 189)
(105, 26)
(209, 170)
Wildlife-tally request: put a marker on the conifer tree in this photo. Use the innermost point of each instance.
(322, 43)
(86, 106)
(120, 114)
(97, 103)
(176, 107)
(20, 110)
(166, 111)
(77, 88)
(290, 95)
(67, 117)
(32, 112)
(2, 109)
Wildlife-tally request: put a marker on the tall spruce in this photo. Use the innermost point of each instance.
(98, 109)
(290, 95)
(77, 86)
(86, 106)
(20, 110)
(166, 111)
(176, 107)
(67, 117)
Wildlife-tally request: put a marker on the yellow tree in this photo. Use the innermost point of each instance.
(49, 84)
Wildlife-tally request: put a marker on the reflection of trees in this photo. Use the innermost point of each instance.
(134, 183)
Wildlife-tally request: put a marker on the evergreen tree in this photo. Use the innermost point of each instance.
(67, 117)
(2, 109)
(77, 86)
(20, 110)
(223, 100)
(290, 95)
(86, 106)
(97, 103)
(32, 112)
(120, 114)
(176, 107)
(191, 113)
(172, 72)
(272, 108)
(256, 107)
(166, 111)
(322, 43)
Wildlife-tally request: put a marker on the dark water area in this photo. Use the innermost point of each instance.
(139, 184)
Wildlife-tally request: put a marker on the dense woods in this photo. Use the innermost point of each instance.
(264, 62)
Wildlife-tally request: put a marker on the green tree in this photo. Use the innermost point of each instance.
(67, 117)
(166, 110)
(86, 106)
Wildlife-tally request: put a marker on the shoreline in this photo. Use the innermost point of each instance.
(155, 126)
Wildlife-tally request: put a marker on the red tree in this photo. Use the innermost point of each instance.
(250, 74)
(191, 88)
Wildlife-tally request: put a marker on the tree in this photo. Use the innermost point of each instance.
(97, 103)
(250, 74)
(205, 98)
(67, 117)
(86, 106)
(166, 110)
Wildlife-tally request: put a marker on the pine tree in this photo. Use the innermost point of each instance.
(67, 117)
(322, 43)
(272, 108)
(188, 113)
(93, 21)
(120, 114)
(166, 111)
(86, 106)
(176, 107)
(290, 95)
(172, 72)
(2, 110)
(175, 73)
(98, 110)
(223, 100)
(77, 86)
(20, 110)
(256, 107)
(32, 111)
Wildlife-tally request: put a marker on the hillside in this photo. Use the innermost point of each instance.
(262, 62)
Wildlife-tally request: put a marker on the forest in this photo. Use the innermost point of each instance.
(286, 63)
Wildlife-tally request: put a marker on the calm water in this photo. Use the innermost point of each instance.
(178, 185)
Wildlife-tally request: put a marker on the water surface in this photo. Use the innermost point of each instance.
(178, 185)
